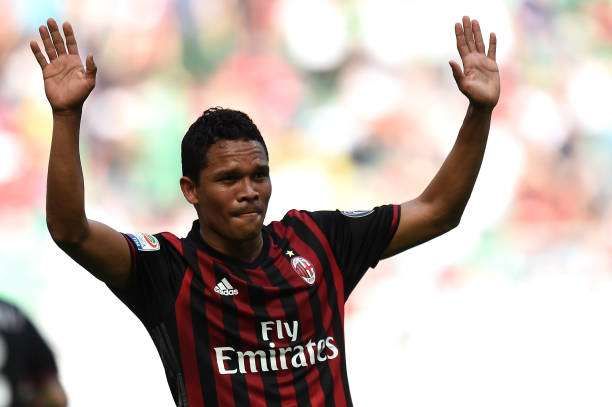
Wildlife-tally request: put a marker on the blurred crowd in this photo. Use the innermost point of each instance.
(357, 104)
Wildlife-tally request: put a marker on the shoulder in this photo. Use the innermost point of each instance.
(151, 243)
(305, 216)
(291, 218)
(302, 223)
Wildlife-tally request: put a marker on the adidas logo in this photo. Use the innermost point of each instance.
(225, 288)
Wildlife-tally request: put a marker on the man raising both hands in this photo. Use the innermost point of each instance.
(244, 313)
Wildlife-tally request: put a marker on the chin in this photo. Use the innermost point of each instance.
(252, 233)
(244, 229)
(247, 232)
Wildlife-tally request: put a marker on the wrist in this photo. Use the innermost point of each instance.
(476, 108)
(67, 113)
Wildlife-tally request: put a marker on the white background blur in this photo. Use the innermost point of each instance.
(358, 107)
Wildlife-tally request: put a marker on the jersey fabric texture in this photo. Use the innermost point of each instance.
(25, 359)
(263, 333)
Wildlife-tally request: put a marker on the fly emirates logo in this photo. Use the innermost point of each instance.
(232, 361)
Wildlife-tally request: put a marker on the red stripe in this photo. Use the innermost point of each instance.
(315, 390)
(336, 273)
(274, 308)
(216, 335)
(182, 309)
(336, 363)
(174, 241)
(248, 339)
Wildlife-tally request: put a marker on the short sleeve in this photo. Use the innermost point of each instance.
(154, 279)
(358, 238)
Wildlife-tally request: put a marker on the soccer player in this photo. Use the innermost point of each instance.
(28, 373)
(244, 313)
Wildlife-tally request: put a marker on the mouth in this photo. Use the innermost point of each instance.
(249, 218)
(249, 213)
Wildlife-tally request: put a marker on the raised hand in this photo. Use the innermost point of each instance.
(67, 82)
(479, 79)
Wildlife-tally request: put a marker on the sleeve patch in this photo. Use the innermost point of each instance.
(357, 213)
(144, 242)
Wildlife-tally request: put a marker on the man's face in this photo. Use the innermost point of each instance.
(234, 189)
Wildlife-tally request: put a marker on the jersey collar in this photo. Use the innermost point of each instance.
(195, 236)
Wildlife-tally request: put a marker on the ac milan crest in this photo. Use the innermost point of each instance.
(304, 269)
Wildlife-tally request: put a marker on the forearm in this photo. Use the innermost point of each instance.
(452, 186)
(66, 218)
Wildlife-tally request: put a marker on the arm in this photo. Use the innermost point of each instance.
(439, 208)
(95, 246)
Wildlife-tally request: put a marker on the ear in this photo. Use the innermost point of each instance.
(189, 189)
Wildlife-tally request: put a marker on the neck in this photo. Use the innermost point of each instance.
(243, 250)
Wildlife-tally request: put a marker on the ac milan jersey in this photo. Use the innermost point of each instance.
(262, 333)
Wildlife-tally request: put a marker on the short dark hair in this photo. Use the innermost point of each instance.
(213, 125)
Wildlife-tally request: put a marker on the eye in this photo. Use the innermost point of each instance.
(229, 178)
(261, 175)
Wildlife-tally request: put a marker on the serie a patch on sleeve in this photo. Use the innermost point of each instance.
(144, 242)
(357, 213)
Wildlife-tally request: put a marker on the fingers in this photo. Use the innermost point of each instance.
(90, 67)
(70, 39)
(457, 72)
(54, 43)
(492, 46)
(469, 38)
(462, 46)
(58, 41)
(478, 37)
(469, 35)
(48, 44)
(42, 61)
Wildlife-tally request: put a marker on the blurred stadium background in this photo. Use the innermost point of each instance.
(359, 108)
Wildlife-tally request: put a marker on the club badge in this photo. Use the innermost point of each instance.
(304, 269)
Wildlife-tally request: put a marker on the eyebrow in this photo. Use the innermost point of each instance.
(236, 171)
(263, 167)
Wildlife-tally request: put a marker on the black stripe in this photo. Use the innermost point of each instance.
(170, 337)
(290, 307)
(257, 301)
(181, 398)
(324, 370)
(165, 347)
(200, 331)
(232, 335)
(167, 353)
(310, 239)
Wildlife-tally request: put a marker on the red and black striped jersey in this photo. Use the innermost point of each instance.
(263, 333)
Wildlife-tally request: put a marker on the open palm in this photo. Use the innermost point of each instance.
(479, 79)
(67, 81)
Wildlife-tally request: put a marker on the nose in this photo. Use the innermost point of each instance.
(247, 191)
